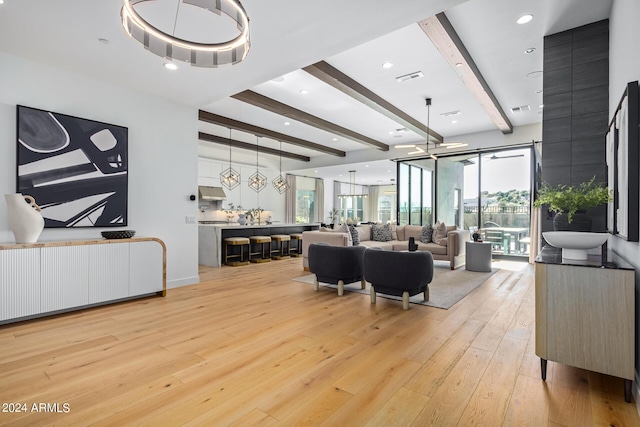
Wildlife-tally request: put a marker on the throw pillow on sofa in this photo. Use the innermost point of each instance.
(344, 228)
(381, 232)
(355, 236)
(427, 234)
(440, 233)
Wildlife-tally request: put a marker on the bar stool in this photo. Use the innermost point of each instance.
(281, 239)
(259, 240)
(297, 250)
(230, 242)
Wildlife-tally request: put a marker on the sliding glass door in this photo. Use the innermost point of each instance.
(486, 190)
(506, 187)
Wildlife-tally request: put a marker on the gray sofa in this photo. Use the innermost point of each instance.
(454, 251)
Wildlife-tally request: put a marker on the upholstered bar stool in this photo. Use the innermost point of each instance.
(297, 249)
(259, 240)
(280, 251)
(231, 242)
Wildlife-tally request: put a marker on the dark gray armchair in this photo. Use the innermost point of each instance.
(398, 273)
(336, 265)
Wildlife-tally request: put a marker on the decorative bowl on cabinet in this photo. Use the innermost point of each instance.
(574, 244)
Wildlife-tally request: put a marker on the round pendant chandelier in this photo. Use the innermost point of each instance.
(198, 54)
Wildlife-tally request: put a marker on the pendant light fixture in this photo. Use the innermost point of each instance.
(352, 188)
(197, 53)
(230, 178)
(257, 181)
(279, 182)
(428, 101)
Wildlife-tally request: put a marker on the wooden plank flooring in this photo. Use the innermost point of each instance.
(249, 346)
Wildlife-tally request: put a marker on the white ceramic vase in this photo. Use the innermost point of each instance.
(25, 219)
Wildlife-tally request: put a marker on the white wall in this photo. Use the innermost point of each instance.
(624, 67)
(162, 154)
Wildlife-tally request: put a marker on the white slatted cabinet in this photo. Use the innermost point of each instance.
(19, 283)
(42, 278)
(108, 272)
(64, 277)
(146, 268)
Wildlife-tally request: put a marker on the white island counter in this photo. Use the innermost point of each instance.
(211, 236)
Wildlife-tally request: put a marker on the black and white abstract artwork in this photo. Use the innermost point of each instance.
(74, 168)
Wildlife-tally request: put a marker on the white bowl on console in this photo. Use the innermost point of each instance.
(574, 244)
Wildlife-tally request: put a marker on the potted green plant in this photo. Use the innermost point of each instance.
(333, 216)
(570, 203)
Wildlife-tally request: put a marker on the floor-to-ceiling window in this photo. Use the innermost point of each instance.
(488, 190)
(305, 200)
(415, 192)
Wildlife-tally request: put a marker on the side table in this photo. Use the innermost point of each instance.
(478, 256)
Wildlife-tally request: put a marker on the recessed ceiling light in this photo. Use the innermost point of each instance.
(453, 122)
(388, 171)
(450, 113)
(534, 74)
(335, 139)
(530, 50)
(391, 132)
(366, 166)
(539, 91)
(101, 40)
(170, 66)
(524, 19)
(387, 65)
(304, 91)
(458, 64)
(316, 171)
(278, 79)
(287, 123)
(541, 106)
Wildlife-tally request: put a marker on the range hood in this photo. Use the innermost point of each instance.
(211, 193)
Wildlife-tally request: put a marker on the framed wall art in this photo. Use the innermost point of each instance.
(75, 168)
(623, 158)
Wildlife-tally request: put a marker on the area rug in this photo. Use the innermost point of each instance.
(447, 287)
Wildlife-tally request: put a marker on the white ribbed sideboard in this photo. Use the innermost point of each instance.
(45, 278)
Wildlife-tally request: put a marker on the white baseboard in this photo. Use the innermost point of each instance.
(183, 282)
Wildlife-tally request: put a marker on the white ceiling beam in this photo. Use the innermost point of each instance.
(446, 40)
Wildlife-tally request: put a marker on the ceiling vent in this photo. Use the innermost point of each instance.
(411, 76)
(450, 113)
(521, 109)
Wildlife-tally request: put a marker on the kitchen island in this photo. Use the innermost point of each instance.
(211, 237)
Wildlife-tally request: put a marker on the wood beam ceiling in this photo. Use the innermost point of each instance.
(446, 40)
(338, 80)
(276, 107)
(246, 146)
(205, 116)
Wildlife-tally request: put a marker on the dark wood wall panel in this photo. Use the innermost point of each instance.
(576, 108)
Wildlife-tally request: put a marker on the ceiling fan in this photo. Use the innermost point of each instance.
(418, 147)
(494, 157)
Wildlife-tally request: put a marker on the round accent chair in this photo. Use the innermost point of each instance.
(336, 265)
(401, 274)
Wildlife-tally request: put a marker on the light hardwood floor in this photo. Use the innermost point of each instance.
(249, 346)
